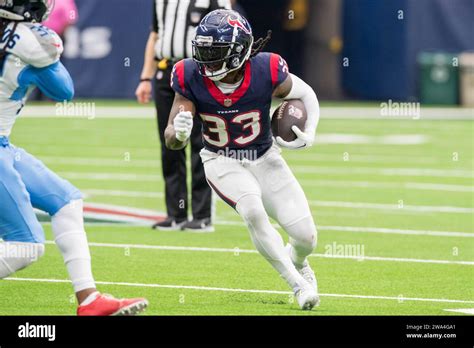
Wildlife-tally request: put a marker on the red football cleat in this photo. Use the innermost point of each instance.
(105, 305)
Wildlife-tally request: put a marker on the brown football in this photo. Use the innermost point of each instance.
(290, 113)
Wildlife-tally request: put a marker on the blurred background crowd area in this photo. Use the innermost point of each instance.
(405, 50)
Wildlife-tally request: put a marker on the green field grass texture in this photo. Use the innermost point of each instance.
(366, 195)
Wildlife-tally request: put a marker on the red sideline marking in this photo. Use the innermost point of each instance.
(122, 213)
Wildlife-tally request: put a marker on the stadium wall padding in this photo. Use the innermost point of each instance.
(382, 48)
(104, 51)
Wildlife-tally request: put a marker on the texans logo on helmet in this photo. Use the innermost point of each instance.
(236, 23)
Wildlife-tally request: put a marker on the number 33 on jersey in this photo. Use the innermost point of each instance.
(240, 120)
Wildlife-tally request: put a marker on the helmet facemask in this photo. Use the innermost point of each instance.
(35, 11)
(217, 59)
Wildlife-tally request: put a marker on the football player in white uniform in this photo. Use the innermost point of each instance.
(29, 58)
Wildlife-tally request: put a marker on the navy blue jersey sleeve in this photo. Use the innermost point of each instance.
(179, 80)
(278, 69)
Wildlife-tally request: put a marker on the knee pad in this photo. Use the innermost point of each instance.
(303, 233)
(15, 256)
(68, 229)
(264, 236)
(251, 209)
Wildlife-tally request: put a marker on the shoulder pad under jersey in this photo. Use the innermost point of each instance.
(35, 44)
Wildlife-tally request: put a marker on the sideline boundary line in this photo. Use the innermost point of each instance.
(278, 292)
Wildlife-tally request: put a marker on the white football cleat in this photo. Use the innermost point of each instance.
(308, 274)
(306, 271)
(307, 297)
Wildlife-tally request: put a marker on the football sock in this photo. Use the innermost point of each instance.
(16, 255)
(71, 239)
(302, 240)
(91, 298)
(267, 240)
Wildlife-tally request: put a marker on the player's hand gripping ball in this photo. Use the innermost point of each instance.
(288, 125)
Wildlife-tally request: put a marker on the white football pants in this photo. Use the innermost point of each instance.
(262, 188)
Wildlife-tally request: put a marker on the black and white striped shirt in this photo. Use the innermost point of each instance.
(175, 22)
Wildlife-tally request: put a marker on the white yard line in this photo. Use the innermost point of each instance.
(277, 292)
(390, 185)
(140, 163)
(324, 183)
(395, 231)
(384, 206)
(461, 310)
(370, 230)
(357, 229)
(336, 229)
(374, 112)
(340, 112)
(226, 219)
(318, 203)
(348, 157)
(392, 139)
(101, 162)
(438, 187)
(122, 193)
(310, 157)
(250, 251)
(423, 172)
(110, 176)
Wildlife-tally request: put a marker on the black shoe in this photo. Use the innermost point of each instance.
(198, 225)
(169, 224)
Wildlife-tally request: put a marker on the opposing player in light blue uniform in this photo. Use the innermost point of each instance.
(29, 58)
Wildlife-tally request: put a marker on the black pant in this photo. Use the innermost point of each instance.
(174, 162)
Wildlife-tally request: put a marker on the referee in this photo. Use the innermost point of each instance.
(174, 23)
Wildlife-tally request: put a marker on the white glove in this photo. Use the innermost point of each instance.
(303, 139)
(183, 125)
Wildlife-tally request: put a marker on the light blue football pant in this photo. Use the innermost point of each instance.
(25, 182)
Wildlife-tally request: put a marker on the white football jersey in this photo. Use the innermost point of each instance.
(32, 45)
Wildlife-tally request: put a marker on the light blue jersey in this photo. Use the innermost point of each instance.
(31, 60)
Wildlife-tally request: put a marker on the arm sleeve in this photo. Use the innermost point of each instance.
(279, 69)
(178, 82)
(301, 90)
(54, 81)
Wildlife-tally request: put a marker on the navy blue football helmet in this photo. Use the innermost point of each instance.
(26, 10)
(223, 43)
